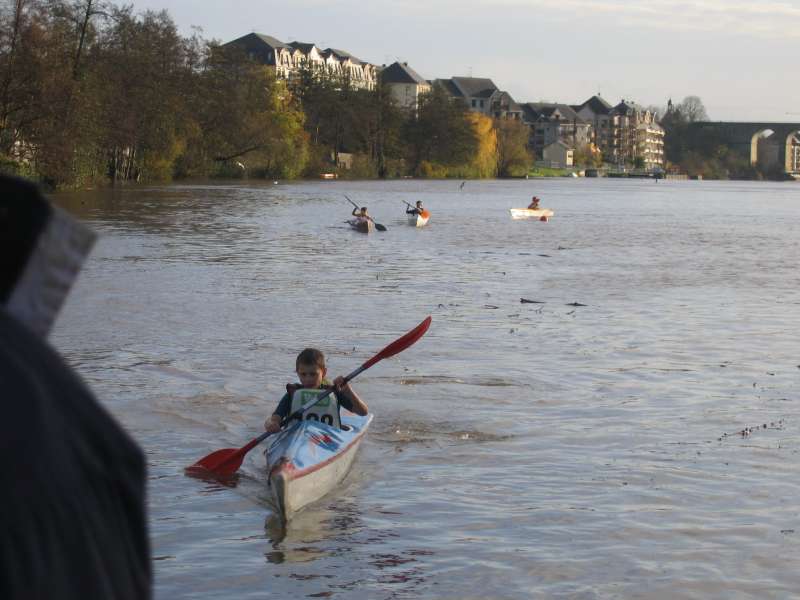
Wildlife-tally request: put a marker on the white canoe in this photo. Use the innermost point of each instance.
(419, 220)
(530, 213)
(309, 459)
(362, 225)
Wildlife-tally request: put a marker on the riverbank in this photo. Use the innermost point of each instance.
(333, 176)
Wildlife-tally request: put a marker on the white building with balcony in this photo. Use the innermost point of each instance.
(287, 59)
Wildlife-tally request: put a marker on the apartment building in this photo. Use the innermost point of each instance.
(552, 122)
(626, 133)
(287, 59)
(481, 95)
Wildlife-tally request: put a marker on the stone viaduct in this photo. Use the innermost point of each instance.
(744, 139)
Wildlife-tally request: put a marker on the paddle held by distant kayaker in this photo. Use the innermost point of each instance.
(311, 370)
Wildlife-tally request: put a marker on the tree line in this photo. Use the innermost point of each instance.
(93, 92)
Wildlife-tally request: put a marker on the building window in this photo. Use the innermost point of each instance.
(474, 103)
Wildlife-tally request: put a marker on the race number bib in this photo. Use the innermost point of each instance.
(325, 411)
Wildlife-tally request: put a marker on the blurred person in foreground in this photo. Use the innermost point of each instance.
(72, 505)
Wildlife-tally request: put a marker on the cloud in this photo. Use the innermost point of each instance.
(758, 18)
(729, 16)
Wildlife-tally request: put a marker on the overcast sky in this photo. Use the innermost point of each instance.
(740, 57)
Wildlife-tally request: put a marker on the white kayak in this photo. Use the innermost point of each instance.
(531, 213)
(419, 220)
(309, 458)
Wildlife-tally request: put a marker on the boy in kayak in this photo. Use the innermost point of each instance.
(415, 210)
(310, 368)
(534, 205)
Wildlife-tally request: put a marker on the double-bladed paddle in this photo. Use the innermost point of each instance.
(378, 226)
(225, 462)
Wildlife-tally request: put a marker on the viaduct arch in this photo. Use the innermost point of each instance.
(744, 137)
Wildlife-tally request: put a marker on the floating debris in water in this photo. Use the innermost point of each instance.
(526, 301)
(491, 306)
(748, 431)
(576, 304)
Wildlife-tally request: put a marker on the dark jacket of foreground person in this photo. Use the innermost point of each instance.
(72, 505)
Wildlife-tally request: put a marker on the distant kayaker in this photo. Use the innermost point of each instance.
(361, 213)
(310, 368)
(534, 205)
(415, 210)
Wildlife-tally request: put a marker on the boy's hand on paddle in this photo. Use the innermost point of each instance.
(341, 385)
(272, 425)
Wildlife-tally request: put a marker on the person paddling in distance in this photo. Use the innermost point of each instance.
(534, 205)
(361, 213)
(311, 370)
(415, 210)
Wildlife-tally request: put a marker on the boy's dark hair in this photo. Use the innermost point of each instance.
(311, 356)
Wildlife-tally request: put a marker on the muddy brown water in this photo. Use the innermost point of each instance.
(604, 441)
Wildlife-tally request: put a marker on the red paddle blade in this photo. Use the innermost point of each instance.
(223, 463)
(400, 344)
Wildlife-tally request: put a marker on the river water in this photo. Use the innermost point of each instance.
(643, 444)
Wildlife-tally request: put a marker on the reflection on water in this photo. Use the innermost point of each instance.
(585, 417)
(320, 530)
(335, 533)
